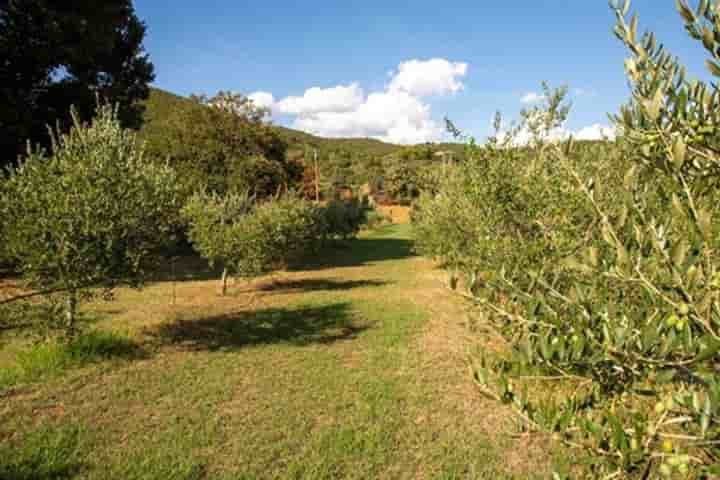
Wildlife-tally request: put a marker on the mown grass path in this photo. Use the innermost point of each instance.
(351, 367)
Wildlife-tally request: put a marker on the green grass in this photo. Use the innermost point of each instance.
(44, 454)
(53, 357)
(319, 373)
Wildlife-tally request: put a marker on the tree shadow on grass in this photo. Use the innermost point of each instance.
(296, 326)
(318, 284)
(358, 252)
(186, 268)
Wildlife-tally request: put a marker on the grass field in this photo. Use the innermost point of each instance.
(352, 366)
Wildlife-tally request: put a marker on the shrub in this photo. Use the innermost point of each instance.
(284, 230)
(91, 215)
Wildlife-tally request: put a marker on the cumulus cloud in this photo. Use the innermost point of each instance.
(396, 117)
(595, 132)
(342, 98)
(397, 114)
(592, 132)
(421, 78)
(262, 99)
(532, 97)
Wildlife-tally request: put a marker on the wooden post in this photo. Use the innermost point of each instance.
(174, 280)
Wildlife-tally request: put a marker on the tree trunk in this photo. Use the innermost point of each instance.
(224, 281)
(71, 312)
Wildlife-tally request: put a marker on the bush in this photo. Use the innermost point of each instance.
(284, 230)
(599, 264)
(90, 216)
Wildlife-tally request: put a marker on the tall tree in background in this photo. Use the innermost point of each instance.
(57, 54)
(222, 144)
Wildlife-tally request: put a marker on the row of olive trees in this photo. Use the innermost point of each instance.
(93, 214)
(248, 238)
(599, 265)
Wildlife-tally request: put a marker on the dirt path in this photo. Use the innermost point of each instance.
(446, 349)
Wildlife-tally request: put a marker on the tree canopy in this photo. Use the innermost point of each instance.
(91, 215)
(221, 143)
(57, 54)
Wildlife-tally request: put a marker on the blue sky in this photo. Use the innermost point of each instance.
(368, 61)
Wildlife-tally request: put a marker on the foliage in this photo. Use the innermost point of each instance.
(290, 227)
(176, 127)
(412, 170)
(613, 295)
(57, 54)
(211, 218)
(221, 144)
(91, 215)
(344, 218)
(250, 239)
(401, 183)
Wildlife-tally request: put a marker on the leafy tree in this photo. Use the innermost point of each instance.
(57, 54)
(213, 223)
(91, 215)
(401, 181)
(250, 240)
(289, 227)
(344, 218)
(223, 144)
(411, 170)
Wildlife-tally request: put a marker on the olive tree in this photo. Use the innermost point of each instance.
(250, 239)
(89, 215)
(211, 222)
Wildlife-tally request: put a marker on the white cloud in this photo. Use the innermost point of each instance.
(396, 114)
(396, 117)
(532, 97)
(262, 99)
(421, 78)
(317, 100)
(595, 132)
(592, 132)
